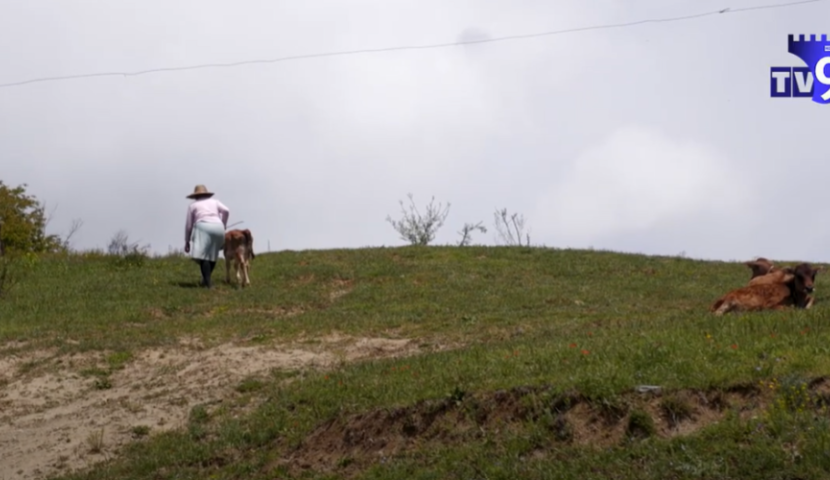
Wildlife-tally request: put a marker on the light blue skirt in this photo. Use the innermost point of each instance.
(207, 240)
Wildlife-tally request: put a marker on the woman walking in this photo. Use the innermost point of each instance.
(204, 231)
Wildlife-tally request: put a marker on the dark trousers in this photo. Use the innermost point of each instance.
(206, 266)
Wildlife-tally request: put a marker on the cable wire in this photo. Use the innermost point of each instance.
(412, 47)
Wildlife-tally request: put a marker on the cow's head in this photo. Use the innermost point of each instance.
(759, 267)
(804, 277)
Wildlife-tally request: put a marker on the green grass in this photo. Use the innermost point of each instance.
(595, 323)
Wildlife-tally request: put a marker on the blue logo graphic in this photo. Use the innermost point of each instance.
(810, 81)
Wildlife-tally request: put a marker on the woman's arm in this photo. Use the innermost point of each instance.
(188, 224)
(224, 212)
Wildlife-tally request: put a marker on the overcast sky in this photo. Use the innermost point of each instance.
(659, 138)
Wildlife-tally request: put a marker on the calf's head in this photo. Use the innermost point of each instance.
(759, 267)
(804, 277)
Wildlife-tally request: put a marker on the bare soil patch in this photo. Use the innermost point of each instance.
(55, 418)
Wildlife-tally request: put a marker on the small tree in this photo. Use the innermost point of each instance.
(420, 229)
(126, 253)
(24, 223)
(466, 233)
(73, 229)
(511, 230)
(65, 243)
(22, 234)
(120, 245)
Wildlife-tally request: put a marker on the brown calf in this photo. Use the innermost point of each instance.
(760, 267)
(787, 287)
(239, 249)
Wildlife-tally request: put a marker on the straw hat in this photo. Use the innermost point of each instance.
(200, 191)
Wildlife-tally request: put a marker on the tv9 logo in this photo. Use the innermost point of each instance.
(810, 81)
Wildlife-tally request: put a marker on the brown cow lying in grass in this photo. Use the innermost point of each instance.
(776, 290)
(764, 271)
(239, 250)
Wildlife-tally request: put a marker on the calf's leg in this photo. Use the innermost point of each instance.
(245, 272)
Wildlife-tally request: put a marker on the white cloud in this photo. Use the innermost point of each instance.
(315, 153)
(633, 180)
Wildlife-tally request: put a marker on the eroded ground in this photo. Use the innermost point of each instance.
(370, 437)
(55, 416)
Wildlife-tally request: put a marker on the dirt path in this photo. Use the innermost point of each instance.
(56, 420)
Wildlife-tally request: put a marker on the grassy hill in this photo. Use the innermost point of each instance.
(518, 363)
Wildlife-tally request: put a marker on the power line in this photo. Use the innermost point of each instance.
(412, 47)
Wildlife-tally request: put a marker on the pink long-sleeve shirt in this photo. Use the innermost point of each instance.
(205, 210)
